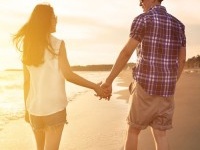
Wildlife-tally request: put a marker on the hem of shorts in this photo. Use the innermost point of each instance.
(49, 126)
(137, 126)
(162, 128)
(142, 127)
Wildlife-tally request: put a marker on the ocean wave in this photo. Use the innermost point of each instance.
(6, 117)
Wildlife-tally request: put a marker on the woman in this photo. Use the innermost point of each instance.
(45, 69)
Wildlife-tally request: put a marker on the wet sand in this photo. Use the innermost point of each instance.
(185, 134)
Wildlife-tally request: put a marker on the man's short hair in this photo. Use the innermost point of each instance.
(160, 1)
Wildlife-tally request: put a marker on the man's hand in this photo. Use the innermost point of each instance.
(108, 89)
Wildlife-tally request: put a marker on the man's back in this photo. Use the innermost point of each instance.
(162, 36)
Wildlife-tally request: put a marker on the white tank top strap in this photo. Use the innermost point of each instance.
(55, 42)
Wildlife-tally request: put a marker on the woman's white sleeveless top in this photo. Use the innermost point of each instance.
(47, 93)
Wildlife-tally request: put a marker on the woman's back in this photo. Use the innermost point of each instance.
(47, 85)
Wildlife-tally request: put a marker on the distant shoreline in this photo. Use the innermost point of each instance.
(103, 67)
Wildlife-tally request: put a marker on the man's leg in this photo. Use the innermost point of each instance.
(160, 138)
(132, 139)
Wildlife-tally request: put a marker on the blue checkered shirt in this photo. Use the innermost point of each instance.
(161, 36)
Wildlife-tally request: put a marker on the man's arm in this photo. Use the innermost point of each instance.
(120, 63)
(122, 59)
(181, 61)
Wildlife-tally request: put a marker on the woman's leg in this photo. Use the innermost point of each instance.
(38, 130)
(40, 138)
(53, 137)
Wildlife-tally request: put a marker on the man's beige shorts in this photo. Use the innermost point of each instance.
(150, 110)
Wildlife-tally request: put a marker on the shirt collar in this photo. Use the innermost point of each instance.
(158, 8)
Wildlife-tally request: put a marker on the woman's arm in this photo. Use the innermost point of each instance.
(26, 89)
(73, 77)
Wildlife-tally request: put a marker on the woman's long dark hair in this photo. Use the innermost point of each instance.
(33, 37)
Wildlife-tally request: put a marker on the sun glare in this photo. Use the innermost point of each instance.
(88, 24)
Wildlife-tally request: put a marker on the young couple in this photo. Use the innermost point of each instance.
(160, 42)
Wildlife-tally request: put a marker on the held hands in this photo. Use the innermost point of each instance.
(108, 88)
(103, 91)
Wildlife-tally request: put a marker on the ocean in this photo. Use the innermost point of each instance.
(11, 92)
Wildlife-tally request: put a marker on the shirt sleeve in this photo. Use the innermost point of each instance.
(138, 28)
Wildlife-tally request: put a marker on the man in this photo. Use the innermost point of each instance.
(161, 50)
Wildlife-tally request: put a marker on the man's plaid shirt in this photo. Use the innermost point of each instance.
(161, 36)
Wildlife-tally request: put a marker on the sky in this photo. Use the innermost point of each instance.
(94, 31)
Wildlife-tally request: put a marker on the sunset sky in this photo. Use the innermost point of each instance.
(94, 31)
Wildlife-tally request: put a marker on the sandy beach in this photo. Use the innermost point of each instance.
(101, 125)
